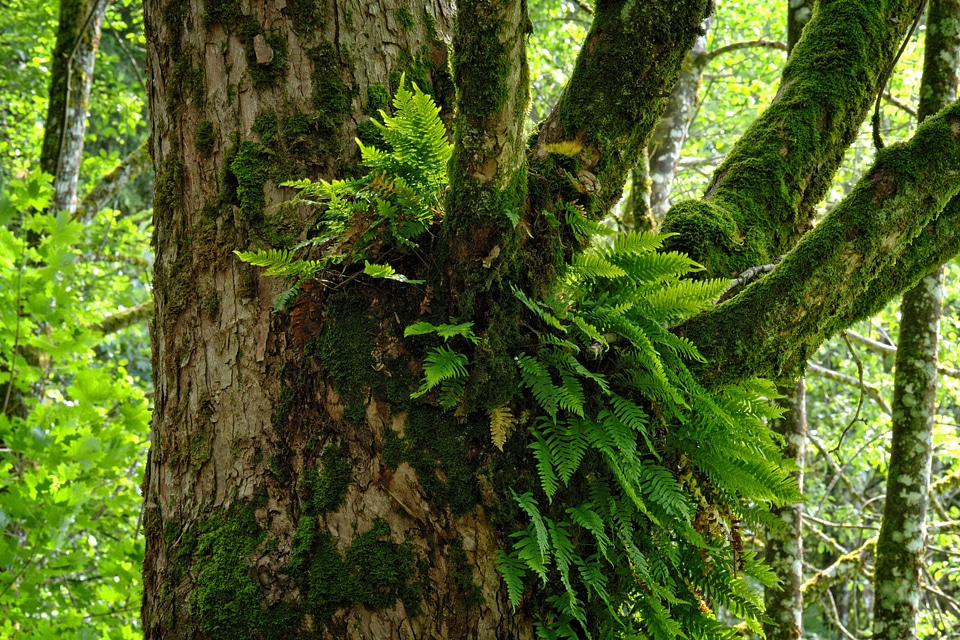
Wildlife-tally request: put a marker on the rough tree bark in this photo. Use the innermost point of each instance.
(293, 488)
(78, 39)
(902, 538)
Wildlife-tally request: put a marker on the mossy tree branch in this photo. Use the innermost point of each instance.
(619, 87)
(487, 180)
(837, 269)
(112, 181)
(763, 197)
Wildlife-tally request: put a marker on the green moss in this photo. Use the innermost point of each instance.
(171, 531)
(331, 96)
(375, 572)
(226, 600)
(326, 490)
(369, 134)
(435, 445)
(281, 410)
(250, 168)
(405, 19)
(481, 64)
(265, 125)
(204, 137)
(229, 14)
(306, 16)
(462, 574)
(377, 98)
(211, 304)
(296, 126)
(280, 469)
(383, 569)
(344, 348)
(429, 24)
(394, 448)
(270, 73)
(223, 12)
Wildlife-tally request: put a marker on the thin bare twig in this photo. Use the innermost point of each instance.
(871, 390)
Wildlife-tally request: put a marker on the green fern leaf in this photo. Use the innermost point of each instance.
(593, 265)
(513, 571)
(441, 363)
(536, 377)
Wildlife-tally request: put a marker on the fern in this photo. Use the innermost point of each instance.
(280, 262)
(674, 467)
(392, 206)
(502, 423)
(442, 363)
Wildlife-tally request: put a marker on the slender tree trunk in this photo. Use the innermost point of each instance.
(78, 39)
(666, 142)
(902, 539)
(784, 548)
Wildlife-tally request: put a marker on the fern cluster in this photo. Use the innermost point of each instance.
(391, 206)
(645, 475)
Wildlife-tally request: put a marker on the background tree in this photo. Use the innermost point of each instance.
(74, 418)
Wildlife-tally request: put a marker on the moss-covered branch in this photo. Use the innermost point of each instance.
(763, 197)
(111, 182)
(618, 89)
(126, 318)
(837, 269)
(840, 571)
(487, 183)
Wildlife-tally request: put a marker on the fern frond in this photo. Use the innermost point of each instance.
(584, 516)
(417, 139)
(536, 377)
(513, 571)
(441, 364)
(280, 262)
(548, 478)
(540, 309)
(636, 242)
(568, 442)
(502, 423)
(593, 265)
(386, 271)
(679, 300)
(445, 331)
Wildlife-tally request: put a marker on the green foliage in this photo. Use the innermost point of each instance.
(74, 419)
(388, 208)
(443, 366)
(645, 472)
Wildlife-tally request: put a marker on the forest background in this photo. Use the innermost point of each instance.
(75, 301)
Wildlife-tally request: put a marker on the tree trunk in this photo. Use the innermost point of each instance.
(668, 137)
(783, 549)
(273, 506)
(902, 539)
(78, 39)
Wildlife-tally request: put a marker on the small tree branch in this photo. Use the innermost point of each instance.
(845, 265)
(846, 565)
(796, 144)
(112, 181)
(746, 44)
(871, 390)
(126, 318)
